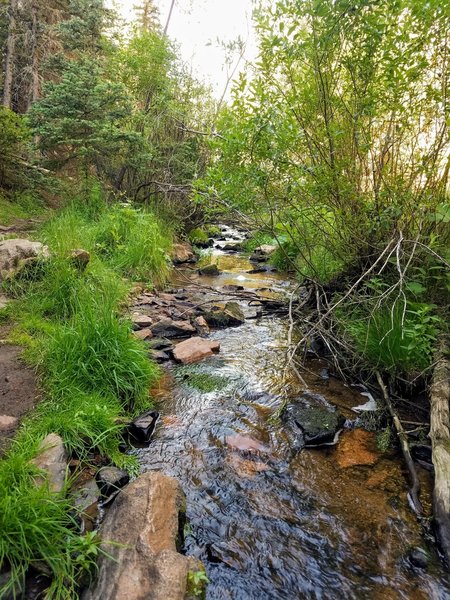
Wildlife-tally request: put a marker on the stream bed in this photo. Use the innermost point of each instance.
(268, 521)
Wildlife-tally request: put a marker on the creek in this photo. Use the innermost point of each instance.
(268, 521)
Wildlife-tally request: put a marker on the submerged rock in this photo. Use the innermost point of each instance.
(195, 349)
(357, 447)
(140, 532)
(142, 428)
(210, 270)
(318, 425)
(52, 459)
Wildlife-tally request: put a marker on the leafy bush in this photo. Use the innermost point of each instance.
(400, 339)
(198, 236)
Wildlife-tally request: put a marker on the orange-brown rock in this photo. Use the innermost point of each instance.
(139, 533)
(357, 447)
(195, 349)
(183, 253)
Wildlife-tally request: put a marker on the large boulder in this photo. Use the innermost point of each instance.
(139, 534)
(17, 252)
(183, 253)
(210, 270)
(194, 349)
(169, 328)
(52, 460)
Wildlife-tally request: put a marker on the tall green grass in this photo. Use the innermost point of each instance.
(93, 373)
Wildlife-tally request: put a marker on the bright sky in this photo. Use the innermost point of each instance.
(195, 23)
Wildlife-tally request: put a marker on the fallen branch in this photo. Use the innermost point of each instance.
(440, 443)
(413, 495)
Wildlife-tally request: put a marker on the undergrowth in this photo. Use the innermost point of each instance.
(93, 374)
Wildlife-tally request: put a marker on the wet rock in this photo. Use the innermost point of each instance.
(171, 329)
(80, 259)
(159, 355)
(210, 270)
(230, 315)
(418, 558)
(8, 423)
(142, 428)
(318, 425)
(357, 447)
(143, 334)
(201, 325)
(232, 288)
(232, 247)
(263, 253)
(52, 459)
(141, 321)
(161, 344)
(143, 523)
(195, 349)
(183, 253)
(15, 253)
(110, 480)
(85, 497)
(245, 442)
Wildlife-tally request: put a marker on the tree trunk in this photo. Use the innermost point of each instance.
(166, 27)
(34, 84)
(10, 56)
(440, 442)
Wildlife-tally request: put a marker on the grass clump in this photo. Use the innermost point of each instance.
(198, 236)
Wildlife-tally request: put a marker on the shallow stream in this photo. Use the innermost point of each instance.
(270, 522)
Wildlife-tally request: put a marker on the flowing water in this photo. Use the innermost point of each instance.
(268, 521)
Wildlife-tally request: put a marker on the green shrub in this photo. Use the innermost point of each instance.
(399, 340)
(198, 236)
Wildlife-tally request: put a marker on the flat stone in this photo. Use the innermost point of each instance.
(8, 423)
(142, 525)
(52, 458)
(144, 334)
(195, 349)
(169, 328)
(158, 355)
(141, 321)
